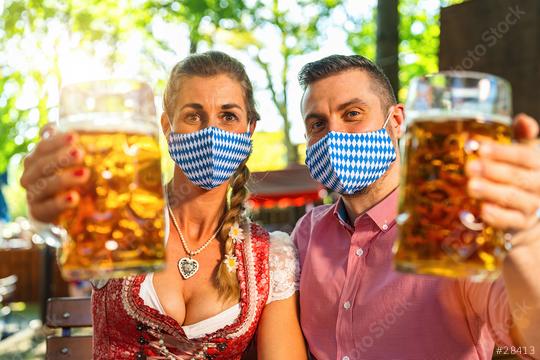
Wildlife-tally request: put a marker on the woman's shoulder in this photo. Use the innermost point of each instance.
(283, 266)
(281, 248)
(272, 240)
(258, 233)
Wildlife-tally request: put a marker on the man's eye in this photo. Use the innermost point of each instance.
(316, 126)
(353, 114)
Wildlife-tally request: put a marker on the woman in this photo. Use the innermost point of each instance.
(225, 277)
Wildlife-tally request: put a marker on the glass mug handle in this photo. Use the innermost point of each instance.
(48, 234)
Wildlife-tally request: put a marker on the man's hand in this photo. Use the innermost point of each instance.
(507, 180)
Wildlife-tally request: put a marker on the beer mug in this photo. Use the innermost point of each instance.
(118, 227)
(440, 231)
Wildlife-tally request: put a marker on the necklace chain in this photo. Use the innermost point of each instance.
(183, 240)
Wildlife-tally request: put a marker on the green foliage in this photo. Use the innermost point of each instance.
(224, 14)
(419, 34)
(24, 28)
(9, 117)
(30, 66)
(294, 37)
(362, 38)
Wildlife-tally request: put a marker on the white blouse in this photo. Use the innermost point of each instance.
(284, 279)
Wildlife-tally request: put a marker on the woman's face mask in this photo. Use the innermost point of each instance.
(210, 156)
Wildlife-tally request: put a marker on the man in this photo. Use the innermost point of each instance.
(353, 304)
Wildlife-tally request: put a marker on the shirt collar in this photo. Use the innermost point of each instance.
(382, 213)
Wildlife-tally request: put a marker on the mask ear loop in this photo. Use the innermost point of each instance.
(391, 112)
(171, 128)
(248, 130)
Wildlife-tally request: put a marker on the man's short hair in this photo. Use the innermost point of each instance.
(335, 64)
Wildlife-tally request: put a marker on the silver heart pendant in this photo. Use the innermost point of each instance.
(188, 267)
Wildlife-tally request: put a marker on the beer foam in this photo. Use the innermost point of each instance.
(453, 115)
(110, 122)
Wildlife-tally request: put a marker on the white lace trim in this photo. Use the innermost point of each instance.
(284, 267)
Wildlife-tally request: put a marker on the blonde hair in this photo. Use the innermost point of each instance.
(210, 64)
(227, 282)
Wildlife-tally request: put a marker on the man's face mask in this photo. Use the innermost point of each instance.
(210, 156)
(349, 162)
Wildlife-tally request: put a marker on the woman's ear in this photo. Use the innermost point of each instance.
(252, 127)
(165, 124)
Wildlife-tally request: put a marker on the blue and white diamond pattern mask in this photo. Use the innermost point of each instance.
(349, 162)
(209, 157)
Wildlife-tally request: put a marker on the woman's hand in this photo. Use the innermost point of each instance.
(51, 172)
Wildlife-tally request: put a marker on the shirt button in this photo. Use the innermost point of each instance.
(346, 358)
(347, 305)
(359, 252)
(385, 227)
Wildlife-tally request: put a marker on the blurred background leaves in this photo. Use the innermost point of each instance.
(47, 43)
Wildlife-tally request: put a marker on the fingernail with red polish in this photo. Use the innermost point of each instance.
(69, 198)
(79, 172)
(70, 138)
(74, 153)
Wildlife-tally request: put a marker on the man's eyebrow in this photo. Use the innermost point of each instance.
(351, 102)
(313, 115)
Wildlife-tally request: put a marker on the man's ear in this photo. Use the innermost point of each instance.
(165, 124)
(397, 121)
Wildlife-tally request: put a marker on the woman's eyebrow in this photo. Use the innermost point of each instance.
(195, 106)
(231, 106)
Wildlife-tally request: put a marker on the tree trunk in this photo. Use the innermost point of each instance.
(193, 43)
(388, 40)
(281, 104)
(292, 153)
(194, 36)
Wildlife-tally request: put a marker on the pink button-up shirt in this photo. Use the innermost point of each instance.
(353, 305)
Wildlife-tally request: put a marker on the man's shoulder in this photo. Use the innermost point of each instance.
(318, 213)
(311, 219)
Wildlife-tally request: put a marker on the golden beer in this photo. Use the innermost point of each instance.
(118, 226)
(440, 231)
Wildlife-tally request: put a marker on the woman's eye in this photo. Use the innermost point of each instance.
(230, 117)
(193, 117)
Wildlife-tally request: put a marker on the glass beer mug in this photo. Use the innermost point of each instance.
(440, 231)
(118, 227)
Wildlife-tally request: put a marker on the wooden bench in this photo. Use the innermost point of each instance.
(67, 313)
